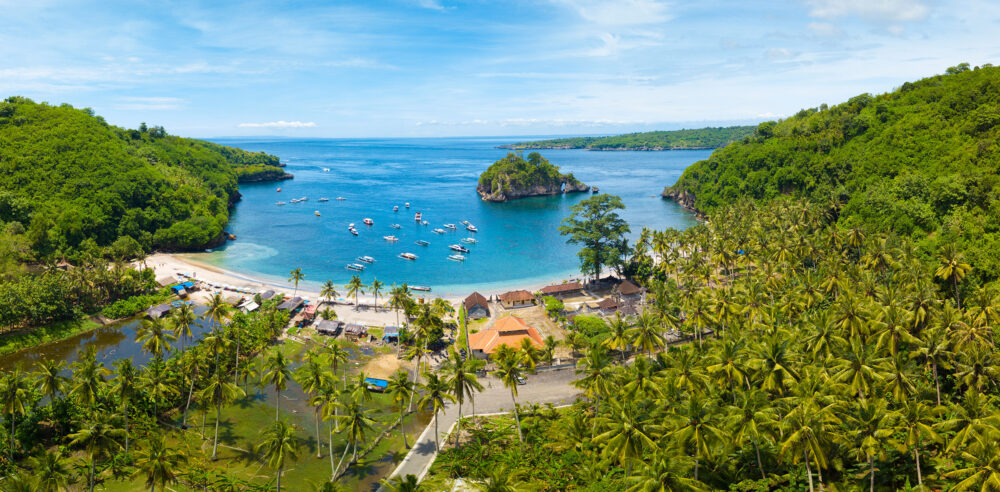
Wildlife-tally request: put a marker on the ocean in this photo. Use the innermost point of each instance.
(518, 242)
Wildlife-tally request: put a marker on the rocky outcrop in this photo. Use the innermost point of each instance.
(682, 197)
(264, 176)
(503, 195)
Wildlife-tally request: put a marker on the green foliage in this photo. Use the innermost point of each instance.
(921, 161)
(703, 138)
(552, 306)
(591, 326)
(599, 230)
(124, 308)
(513, 172)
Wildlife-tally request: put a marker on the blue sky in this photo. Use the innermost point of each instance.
(450, 67)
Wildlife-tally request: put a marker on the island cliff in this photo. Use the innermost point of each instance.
(514, 177)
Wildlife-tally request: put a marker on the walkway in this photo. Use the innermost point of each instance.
(554, 386)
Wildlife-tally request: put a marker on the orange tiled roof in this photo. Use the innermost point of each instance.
(516, 295)
(507, 331)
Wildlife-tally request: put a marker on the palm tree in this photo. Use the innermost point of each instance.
(357, 423)
(219, 391)
(51, 472)
(355, 287)
(805, 431)
(154, 337)
(126, 385)
(296, 277)
(664, 473)
(436, 394)
(156, 382)
(548, 349)
(981, 467)
(278, 444)
(99, 437)
(619, 336)
(400, 390)
(399, 298)
(628, 435)
(529, 354)
(751, 417)
(88, 378)
(160, 463)
(695, 426)
(934, 350)
(462, 380)
(774, 364)
(870, 428)
(191, 365)
(376, 289)
(278, 373)
(217, 310)
(415, 351)
(313, 377)
(508, 371)
(952, 267)
(408, 483)
(50, 380)
(917, 419)
(337, 356)
(329, 291)
(858, 368)
(181, 319)
(595, 367)
(14, 396)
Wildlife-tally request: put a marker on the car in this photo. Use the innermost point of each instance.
(521, 380)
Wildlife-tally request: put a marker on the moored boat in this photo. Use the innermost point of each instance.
(395, 208)
(316, 213)
(421, 242)
(396, 226)
(341, 198)
(368, 221)
(456, 257)
(420, 288)
(279, 190)
(324, 199)
(469, 240)
(354, 231)
(356, 267)
(417, 217)
(471, 228)
(450, 226)
(407, 204)
(438, 231)
(280, 203)
(366, 259)
(408, 256)
(390, 238)
(459, 248)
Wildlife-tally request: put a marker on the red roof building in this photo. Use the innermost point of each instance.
(507, 331)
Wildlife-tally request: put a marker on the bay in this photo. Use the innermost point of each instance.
(518, 243)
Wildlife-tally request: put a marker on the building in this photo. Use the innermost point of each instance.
(628, 290)
(157, 312)
(476, 306)
(166, 281)
(608, 305)
(568, 289)
(517, 298)
(391, 334)
(355, 331)
(329, 327)
(509, 331)
(267, 294)
(291, 304)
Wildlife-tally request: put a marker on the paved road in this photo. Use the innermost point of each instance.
(545, 387)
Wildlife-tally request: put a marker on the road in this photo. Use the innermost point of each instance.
(553, 386)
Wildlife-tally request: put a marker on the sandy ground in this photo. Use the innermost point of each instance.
(385, 365)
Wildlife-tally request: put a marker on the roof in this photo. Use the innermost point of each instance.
(508, 331)
(250, 306)
(628, 309)
(380, 383)
(391, 331)
(476, 299)
(562, 288)
(234, 300)
(607, 303)
(516, 295)
(166, 281)
(328, 326)
(311, 309)
(291, 304)
(267, 294)
(355, 329)
(628, 288)
(158, 311)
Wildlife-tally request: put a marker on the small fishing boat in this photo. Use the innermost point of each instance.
(356, 267)
(326, 169)
(421, 242)
(459, 248)
(438, 231)
(472, 228)
(420, 288)
(280, 203)
(456, 257)
(351, 225)
(316, 213)
(390, 238)
(396, 226)
(470, 240)
(366, 259)
(464, 222)
(407, 204)
(408, 256)
(368, 221)
(424, 222)
(354, 231)
(293, 200)
(324, 199)
(303, 199)
(417, 217)
(395, 208)
(279, 190)
(341, 198)
(450, 226)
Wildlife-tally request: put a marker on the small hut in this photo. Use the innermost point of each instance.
(476, 306)
(517, 298)
(329, 327)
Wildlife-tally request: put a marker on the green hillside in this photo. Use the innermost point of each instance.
(72, 182)
(920, 161)
(702, 138)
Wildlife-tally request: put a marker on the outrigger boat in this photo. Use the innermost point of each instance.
(395, 208)
(341, 198)
(396, 226)
(324, 199)
(368, 221)
(366, 259)
(424, 222)
(420, 288)
(421, 242)
(459, 248)
(354, 231)
(456, 257)
(471, 228)
(316, 213)
(294, 200)
(464, 222)
(417, 217)
(470, 240)
(450, 226)
(408, 256)
(390, 238)
(438, 231)
(356, 267)
(280, 203)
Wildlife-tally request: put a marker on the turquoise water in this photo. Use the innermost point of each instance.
(518, 241)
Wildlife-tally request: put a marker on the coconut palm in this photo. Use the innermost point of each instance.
(154, 336)
(125, 386)
(219, 391)
(934, 350)
(159, 463)
(664, 473)
(408, 483)
(695, 424)
(88, 379)
(415, 351)
(870, 429)
(462, 381)
(400, 389)
(337, 356)
(14, 397)
(99, 437)
(596, 380)
(629, 434)
(980, 469)
(548, 348)
(435, 393)
(328, 291)
(216, 309)
(278, 444)
(529, 354)
(399, 298)
(157, 383)
(313, 377)
(295, 277)
(278, 372)
(191, 365)
(49, 379)
(751, 417)
(51, 472)
(952, 267)
(917, 420)
(181, 320)
(376, 289)
(356, 423)
(620, 335)
(354, 288)
(508, 371)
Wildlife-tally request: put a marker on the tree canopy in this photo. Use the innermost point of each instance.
(599, 230)
(701, 138)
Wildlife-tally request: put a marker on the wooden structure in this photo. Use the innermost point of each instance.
(476, 306)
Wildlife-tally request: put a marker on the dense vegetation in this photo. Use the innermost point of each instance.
(702, 138)
(72, 182)
(816, 356)
(514, 174)
(922, 161)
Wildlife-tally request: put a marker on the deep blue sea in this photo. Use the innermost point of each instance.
(518, 241)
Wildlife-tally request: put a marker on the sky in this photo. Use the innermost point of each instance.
(426, 68)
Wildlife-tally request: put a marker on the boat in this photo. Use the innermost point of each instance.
(424, 222)
(464, 222)
(407, 204)
(470, 240)
(316, 213)
(279, 190)
(280, 203)
(293, 200)
(421, 242)
(366, 259)
(459, 248)
(417, 217)
(324, 199)
(408, 256)
(420, 288)
(303, 199)
(396, 226)
(326, 169)
(438, 231)
(341, 198)
(354, 231)
(351, 225)
(357, 267)
(456, 257)
(390, 238)
(395, 208)
(450, 226)
(472, 228)
(368, 221)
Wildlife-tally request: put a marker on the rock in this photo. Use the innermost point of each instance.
(682, 197)
(264, 176)
(513, 194)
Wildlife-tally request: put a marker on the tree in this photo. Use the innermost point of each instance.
(159, 463)
(154, 337)
(462, 380)
(595, 367)
(14, 396)
(313, 377)
(278, 444)
(357, 423)
(217, 309)
(508, 371)
(51, 472)
(126, 385)
(99, 437)
(376, 289)
(296, 276)
(329, 291)
(435, 394)
(181, 319)
(870, 430)
(400, 390)
(664, 473)
(219, 391)
(278, 373)
(50, 380)
(596, 226)
(952, 268)
(354, 288)
(695, 425)
(628, 435)
(408, 483)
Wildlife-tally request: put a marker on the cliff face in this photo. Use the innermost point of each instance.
(682, 197)
(262, 176)
(512, 193)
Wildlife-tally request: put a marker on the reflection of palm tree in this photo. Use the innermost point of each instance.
(296, 277)
(278, 445)
(159, 463)
(219, 391)
(99, 437)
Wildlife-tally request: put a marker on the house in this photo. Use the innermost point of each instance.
(234, 301)
(166, 281)
(517, 298)
(476, 306)
(608, 305)
(309, 313)
(249, 306)
(628, 290)
(391, 334)
(157, 312)
(267, 294)
(355, 331)
(291, 304)
(509, 331)
(182, 289)
(330, 327)
(568, 289)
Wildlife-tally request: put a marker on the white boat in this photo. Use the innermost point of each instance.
(368, 221)
(303, 199)
(341, 198)
(408, 256)
(417, 217)
(472, 228)
(326, 169)
(280, 203)
(407, 204)
(396, 226)
(293, 200)
(470, 240)
(438, 231)
(450, 226)
(395, 208)
(354, 231)
(456, 257)
(464, 222)
(459, 248)
(390, 238)
(357, 267)
(366, 259)
(324, 199)
(421, 242)
(420, 288)
(424, 222)
(316, 213)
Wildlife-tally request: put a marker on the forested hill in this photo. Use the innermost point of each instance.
(71, 182)
(702, 138)
(921, 160)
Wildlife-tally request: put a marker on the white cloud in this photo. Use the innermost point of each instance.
(877, 10)
(620, 12)
(824, 29)
(149, 103)
(280, 124)
(432, 4)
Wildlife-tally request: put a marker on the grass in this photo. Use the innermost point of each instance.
(53, 332)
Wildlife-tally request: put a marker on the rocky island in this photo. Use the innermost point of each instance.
(514, 177)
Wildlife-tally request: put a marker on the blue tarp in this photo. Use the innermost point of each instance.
(375, 384)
